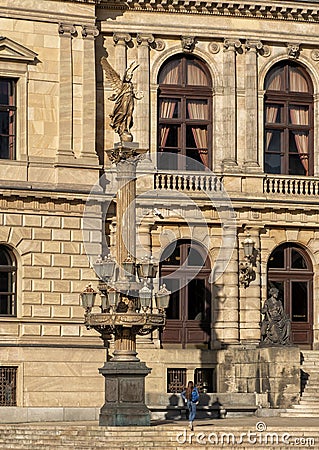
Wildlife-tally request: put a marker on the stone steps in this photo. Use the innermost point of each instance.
(160, 437)
(309, 401)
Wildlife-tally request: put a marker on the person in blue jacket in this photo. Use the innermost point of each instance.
(191, 396)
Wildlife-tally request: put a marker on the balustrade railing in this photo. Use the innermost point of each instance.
(294, 186)
(188, 183)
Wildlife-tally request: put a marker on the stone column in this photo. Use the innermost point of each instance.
(126, 222)
(229, 110)
(89, 34)
(251, 102)
(225, 297)
(121, 40)
(142, 115)
(250, 297)
(65, 150)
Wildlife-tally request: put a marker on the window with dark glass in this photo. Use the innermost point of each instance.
(288, 120)
(7, 282)
(7, 118)
(184, 114)
(185, 269)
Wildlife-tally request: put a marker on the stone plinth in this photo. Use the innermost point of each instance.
(272, 370)
(124, 394)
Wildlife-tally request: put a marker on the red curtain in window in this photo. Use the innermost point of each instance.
(299, 116)
(197, 110)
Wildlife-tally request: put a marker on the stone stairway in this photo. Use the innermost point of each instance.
(309, 401)
(207, 435)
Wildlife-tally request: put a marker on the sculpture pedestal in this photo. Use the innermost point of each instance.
(124, 394)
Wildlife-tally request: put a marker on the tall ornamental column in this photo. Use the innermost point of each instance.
(65, 150)
(126, 221)
(250, 297)
(251, 91)
(89, 34)
(229, 110)
(121, 40)
(142, 115)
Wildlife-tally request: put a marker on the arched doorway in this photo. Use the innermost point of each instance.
(290, 270)
(185, 269)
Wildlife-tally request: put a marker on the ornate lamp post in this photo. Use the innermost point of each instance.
(129, 306)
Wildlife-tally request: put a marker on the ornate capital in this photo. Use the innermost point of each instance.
(67, 29)
(232, 45)
(89, 31)
(253, 45)
(145, 39)
(293, 50)
(121, 38)
(188, 43)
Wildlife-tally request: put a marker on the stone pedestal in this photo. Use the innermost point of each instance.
(124, 394)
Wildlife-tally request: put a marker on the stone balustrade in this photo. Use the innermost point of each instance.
(237, 184)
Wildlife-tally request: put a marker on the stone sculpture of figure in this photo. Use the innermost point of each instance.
(123, 96)
(276, 326)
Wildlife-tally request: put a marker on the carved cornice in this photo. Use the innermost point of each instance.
(294, 11)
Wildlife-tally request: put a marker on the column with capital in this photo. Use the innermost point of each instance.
(142, 116)
(121, 40)
(65, 150)
(89, 34)
(229, 110)
(251, 102)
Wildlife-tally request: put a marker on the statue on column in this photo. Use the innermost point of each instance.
(123, 96)
(276, 325)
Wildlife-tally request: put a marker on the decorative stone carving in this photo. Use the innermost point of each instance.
(159, 45)
(67, 29)
(232, 45)
(253, 45)
(213, 47)
(315, 55)
(293, 50)
(188, 43)
(276, 325)
(145, 39)
(122, 38)
(89, 31)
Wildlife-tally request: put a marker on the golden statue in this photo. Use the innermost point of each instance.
(123, 96)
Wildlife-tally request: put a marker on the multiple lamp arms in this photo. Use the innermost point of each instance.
(144, 270)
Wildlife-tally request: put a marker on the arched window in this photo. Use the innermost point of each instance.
(8, 270)
(290, 271)
(288, 120)
(184, 112)
(185, 269)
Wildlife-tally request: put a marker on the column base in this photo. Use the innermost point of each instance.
(124, 394)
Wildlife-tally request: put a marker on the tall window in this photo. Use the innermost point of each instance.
(288, 120)
(7, 118)
(290, 271)
(184, 114)
(185, 270)
(8, 270)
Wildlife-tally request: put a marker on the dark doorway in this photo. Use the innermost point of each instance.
(185, 270)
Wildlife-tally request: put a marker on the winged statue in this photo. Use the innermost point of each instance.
(123, 96)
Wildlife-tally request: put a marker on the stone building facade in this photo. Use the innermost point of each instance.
(229, 117)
